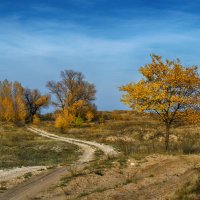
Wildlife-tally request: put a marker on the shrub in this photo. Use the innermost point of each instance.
(79, 121)
(89, 116)
(64, 119)
(36, 120)
(60, 122)
(102, 119)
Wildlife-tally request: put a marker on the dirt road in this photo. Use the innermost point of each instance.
(34, 185)
(108, 150)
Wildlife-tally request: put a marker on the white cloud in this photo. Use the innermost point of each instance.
(43, 48)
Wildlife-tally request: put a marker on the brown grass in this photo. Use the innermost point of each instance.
(140, 135)
(19, 147)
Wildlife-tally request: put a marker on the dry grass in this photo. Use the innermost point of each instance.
(19, 147)
(190, 191)
(142, 161)
(137, 137)
(155, 176)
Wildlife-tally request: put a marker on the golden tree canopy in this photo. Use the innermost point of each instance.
(12, 105)
(168, 88)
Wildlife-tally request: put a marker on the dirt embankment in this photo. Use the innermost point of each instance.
(156, 177)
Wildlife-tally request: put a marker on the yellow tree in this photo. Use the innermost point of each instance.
(168, 89)
(89, 116)
(7, 111)
(36, 119)
(12, 105)
(19, 104)
(8, 114)
(64, 119)
(76, 107)
(73, 93)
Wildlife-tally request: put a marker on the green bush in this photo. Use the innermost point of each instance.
(79, 121)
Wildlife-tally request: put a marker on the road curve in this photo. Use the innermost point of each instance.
(106, 149)
(88, 151)
(34, 185)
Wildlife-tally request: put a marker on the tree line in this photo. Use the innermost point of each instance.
(72, 96)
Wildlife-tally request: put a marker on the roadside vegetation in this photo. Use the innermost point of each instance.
(190, 191)
(135, 134)
(19, 147)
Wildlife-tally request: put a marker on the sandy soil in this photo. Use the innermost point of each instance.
(7, 174)
(155, 177)
(12, 177)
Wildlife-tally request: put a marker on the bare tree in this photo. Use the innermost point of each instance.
(35, 102)
(70, 89)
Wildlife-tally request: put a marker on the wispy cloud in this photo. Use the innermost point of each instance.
(108, 53)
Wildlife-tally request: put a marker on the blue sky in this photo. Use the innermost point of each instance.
(107, 40)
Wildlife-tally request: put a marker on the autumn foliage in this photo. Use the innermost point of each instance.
(12, 105)
(36, 119)
(72, 91)
(89, 116)
(74, 98)
(34, 102)
(64, 119)
(18, 104)
(168, 89)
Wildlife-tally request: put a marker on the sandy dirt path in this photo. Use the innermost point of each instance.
(87, 151)
(106, 149)
(8, 174)
(34, 185)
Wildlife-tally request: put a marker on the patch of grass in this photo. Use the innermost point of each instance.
(97, 190)
(98, 153)
(51, 167)
(67, 179)
(28, 175)
(143, 135)
(190, 191)
(99, 172)
(19, 147)
(129, 179)
(3, 186)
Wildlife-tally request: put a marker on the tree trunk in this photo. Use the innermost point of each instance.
(31, 118)
(167, 137)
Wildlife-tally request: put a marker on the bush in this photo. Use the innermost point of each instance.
(190, 191)
(190, 143)
(89, 116)
(36, 120)
(101, 119)
(64, 119)
(79, 121)
(60, 122)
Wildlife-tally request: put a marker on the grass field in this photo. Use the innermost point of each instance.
(19, 147)
(136, 137)
(133, 138)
